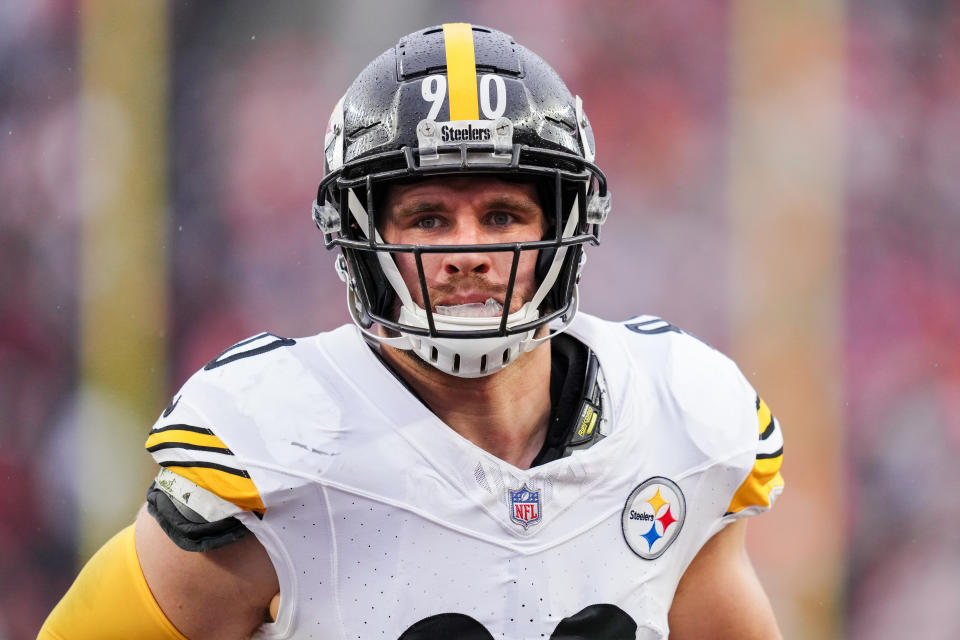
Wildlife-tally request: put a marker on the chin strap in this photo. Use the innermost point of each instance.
(386, 261)
(557, 263)
(398, 342)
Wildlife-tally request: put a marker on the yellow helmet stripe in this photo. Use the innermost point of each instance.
(461, 71)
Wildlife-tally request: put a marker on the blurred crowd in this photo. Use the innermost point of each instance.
(250, 92)
(902, 319)
(38, 254)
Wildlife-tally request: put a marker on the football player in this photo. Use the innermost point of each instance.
(472, 457)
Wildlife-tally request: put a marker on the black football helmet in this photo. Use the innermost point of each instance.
(459, 99)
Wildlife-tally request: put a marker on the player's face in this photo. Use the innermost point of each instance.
(460, 211)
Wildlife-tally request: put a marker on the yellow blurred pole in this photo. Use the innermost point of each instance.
(785, 206)
(123, 164)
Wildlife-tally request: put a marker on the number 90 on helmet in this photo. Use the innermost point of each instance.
(459, 99)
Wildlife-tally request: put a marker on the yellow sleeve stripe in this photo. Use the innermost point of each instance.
(461, 71)
(759, 485)
(763, 415)
(185, 439)
(757, 489)
(110, 590)
(233, 485)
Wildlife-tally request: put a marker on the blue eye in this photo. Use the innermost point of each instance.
(501, 218)
(428, 223)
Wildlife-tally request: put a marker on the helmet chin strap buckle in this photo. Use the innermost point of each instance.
(340, 266)
(326, 218)
(598, 208)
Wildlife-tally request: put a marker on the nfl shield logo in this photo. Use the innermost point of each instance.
(524, 506)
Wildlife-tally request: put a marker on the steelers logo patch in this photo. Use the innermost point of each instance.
(653, 516)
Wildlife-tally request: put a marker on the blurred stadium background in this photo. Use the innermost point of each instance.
(785, 180)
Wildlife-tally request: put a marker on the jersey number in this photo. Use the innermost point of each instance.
(492, 95)
(596, 622)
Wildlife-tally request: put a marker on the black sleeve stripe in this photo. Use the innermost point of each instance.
(223, 358)
(758, 402)
(775, 454)
(183, 427)
(208, 465)
(769, 430)
(187, 445)
(262, 334)
(656, 330)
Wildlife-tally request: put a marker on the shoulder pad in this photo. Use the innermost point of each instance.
(186, 528)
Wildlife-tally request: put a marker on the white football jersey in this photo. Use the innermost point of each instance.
(382, 522)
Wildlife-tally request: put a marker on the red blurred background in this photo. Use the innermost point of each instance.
(785, 187)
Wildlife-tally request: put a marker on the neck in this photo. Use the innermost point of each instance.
(505, 413)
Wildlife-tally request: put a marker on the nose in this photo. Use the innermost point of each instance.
(465, 263)
(480, 262)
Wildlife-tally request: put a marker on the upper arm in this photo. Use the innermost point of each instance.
(720, 596)
(222, 593)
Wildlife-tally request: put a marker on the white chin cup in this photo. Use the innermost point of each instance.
(469, 357)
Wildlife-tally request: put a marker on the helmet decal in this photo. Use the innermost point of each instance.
(493, 99)
(461, 71)
(583, 128)
(433, 89)
(333, 140)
